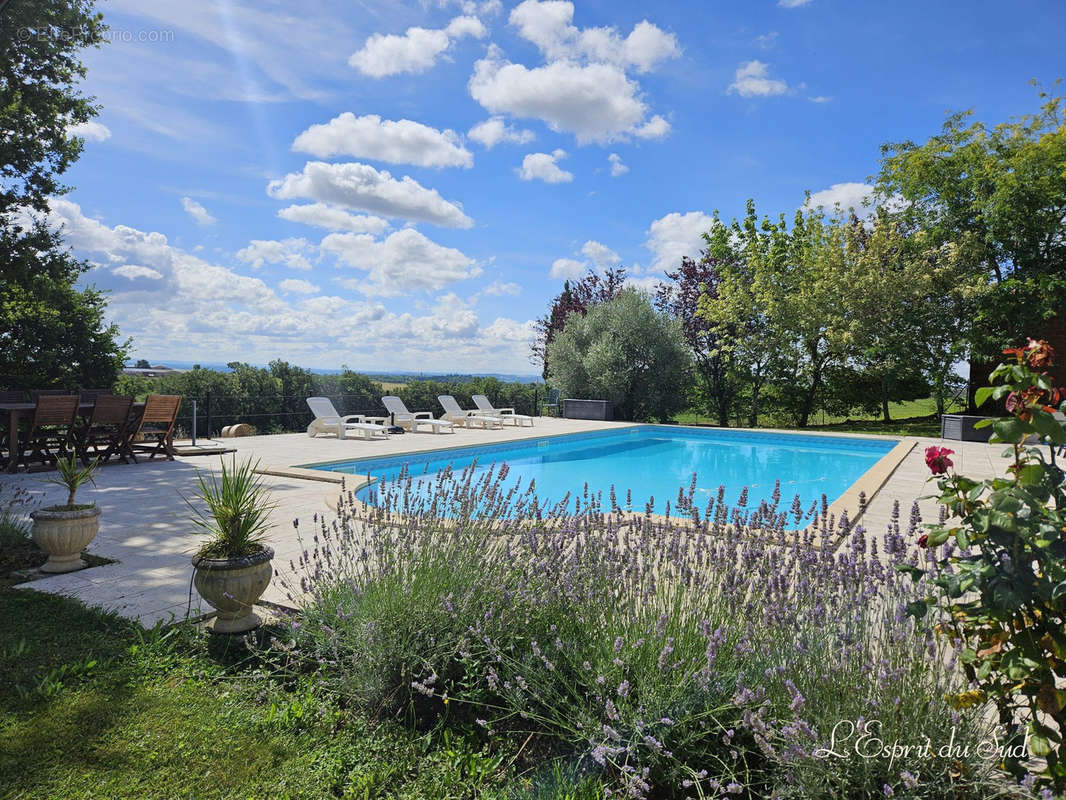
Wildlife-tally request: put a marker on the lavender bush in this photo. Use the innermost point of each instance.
(711, 651)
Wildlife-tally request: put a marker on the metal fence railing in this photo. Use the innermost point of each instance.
(205, 415)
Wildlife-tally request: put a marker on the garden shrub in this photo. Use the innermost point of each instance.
(1003, 595)
(708, 652)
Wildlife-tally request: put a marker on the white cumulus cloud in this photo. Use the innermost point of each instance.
(675, 236)
(403, 263)
(361, 187)
(600, 254)
(134, 271)
(91, 130)
(415, 51)
(848, 195)
(297, 286)
(549, 25)
(495, 130)
(510, 330)
(544, 167)
(396, 141)
(291, 253)
(450, 318)
(500, 288)
(596, 102)
(326, 216)
(197, 212)
(853, 196)
(563, 268)
(617, 166)
(174, 302)
(753, 80)
(792, 3)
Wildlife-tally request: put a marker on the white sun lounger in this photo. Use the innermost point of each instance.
(406, 419)
(327, 420)
(502, 414)
(467, 419)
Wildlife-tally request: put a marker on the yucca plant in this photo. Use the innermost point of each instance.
(72, 476)
(238, 510)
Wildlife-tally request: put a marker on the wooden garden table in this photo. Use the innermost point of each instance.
(16, 411)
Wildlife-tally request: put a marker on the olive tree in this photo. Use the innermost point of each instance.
(626, 352)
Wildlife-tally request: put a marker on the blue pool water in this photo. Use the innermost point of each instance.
(653, 462)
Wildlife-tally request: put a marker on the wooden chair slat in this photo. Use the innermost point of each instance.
(161, 409)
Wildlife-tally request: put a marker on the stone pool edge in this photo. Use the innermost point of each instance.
(868, 484)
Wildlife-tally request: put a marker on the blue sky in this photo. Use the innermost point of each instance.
(405, 185)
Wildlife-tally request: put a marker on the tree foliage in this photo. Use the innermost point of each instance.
(40, 68)
(576, 298)
(712, 357)
(51, 333)
(626, 352)
(996, 195)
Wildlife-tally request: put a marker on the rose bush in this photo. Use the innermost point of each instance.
(1003, 592)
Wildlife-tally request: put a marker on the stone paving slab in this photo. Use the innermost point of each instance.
(145, 522)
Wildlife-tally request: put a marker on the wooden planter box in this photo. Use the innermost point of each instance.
(588, 409)
(961, 428)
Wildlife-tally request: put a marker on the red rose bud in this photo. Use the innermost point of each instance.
(1014, 400)
(923, 540)
(936, 458)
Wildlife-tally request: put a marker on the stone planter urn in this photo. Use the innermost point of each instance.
(232, 586)
(63, 533)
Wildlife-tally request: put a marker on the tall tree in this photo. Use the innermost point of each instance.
(576, 298)
(886, 284)
(782, 289)
(50, 332)
(626, 352)
(997, 197)
(738, 318)
(691, 281)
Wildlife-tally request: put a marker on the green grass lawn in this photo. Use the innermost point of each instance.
(909, 418)
(92, 706)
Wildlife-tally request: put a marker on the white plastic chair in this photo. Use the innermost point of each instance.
(327, 420)
(406, 419)
(453, 413)
(502, 414)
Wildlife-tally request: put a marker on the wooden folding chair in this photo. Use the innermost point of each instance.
(49, 434)
(8, 396)
(90, 395)
(105, 433)
(156, 427)
(35, 393)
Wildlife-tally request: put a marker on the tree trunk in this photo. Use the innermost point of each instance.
(723, 400)
(754, 421)
(812, 392)
(939, 393)
(884, 399)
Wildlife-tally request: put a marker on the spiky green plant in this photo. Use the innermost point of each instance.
(238, 510)
(73, 476)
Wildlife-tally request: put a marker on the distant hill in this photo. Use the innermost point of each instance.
(396, 376)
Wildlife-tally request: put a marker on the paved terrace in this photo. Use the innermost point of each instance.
(145, 523)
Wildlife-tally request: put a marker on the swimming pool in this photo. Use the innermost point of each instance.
(653, 462)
